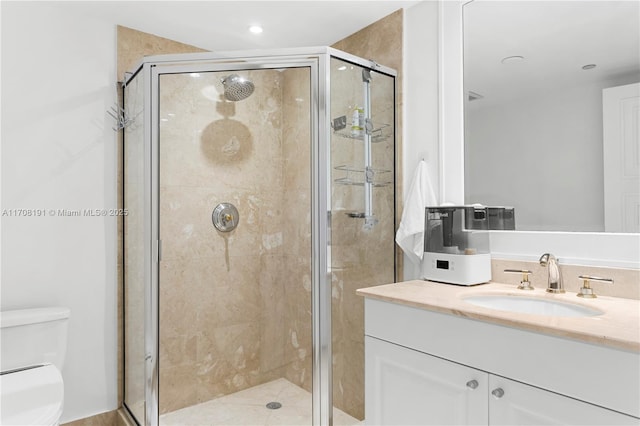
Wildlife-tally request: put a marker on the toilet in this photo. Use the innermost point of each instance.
(33, 345)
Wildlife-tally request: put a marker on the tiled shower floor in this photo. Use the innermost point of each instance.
(248, 408)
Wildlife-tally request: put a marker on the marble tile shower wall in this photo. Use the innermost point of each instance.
(295, 270)
(234, 307)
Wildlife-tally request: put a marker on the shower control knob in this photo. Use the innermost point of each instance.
(225, 217)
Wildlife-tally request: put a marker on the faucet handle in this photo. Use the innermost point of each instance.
(525, 284)
(586, 291)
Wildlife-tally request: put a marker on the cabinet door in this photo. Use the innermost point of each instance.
(407, 387)
(514, 403)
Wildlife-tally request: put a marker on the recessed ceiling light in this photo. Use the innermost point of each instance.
(342, 68)
(589, 67)
(512, 59)
(255, 29)
(194, 74)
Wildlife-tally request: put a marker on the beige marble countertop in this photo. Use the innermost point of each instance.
(618, 326)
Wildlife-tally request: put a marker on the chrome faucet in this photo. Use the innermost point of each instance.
(554, 278)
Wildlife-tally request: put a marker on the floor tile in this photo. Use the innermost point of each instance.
(248, 408)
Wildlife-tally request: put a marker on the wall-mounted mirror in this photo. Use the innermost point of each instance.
(552, 112)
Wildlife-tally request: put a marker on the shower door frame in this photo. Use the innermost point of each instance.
(317, 59)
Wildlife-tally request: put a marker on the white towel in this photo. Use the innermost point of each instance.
(410, 235)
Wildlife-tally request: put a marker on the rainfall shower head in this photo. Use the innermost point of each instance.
(237, 88)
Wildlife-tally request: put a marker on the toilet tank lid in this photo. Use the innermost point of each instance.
(19, 317)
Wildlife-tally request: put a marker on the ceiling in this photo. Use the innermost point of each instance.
(223, 25)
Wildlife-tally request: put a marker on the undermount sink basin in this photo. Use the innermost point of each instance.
(531, 305)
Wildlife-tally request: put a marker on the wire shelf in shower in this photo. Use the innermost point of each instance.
(356, 176)
(378, 135)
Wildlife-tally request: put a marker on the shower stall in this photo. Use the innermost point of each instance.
(260, 195)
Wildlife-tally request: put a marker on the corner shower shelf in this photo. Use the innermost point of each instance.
(356, 176)
(378, 135)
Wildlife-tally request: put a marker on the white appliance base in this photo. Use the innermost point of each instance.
(458, 269)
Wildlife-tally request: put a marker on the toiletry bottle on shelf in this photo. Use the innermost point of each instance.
(356, 120)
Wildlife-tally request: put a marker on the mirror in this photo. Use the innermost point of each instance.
(534, 74)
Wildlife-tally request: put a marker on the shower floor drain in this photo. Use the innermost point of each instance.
(274, 405)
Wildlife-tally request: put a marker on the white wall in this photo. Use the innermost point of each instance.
(59, 152)
(420, 107)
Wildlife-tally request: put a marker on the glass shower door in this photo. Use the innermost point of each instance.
(229, 310)
(362, 217)
(235, 335)
(135, 293)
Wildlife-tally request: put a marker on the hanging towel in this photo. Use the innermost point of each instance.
(410, 235)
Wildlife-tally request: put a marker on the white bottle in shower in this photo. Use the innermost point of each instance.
(357, 118)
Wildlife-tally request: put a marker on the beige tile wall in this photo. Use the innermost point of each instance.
(234, 307)
(133, 45)
(625, 281)
(295, 267)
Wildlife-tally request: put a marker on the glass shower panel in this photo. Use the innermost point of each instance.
(362, 216)
(134, 252)
(235, 307)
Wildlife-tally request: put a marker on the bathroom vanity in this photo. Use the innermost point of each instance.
(432, 357)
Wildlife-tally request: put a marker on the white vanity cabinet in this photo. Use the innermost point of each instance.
(407, 387)
(514, 403)
(428, 368)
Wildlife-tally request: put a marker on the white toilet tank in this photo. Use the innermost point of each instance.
(32, 337)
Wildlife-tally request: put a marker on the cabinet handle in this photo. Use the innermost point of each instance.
(472, 384)
(498, 392)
